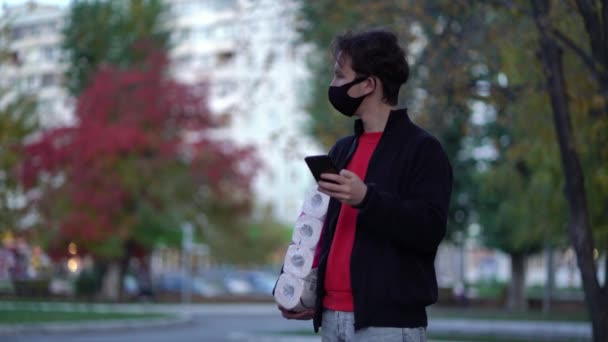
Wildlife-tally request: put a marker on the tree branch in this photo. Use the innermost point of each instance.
(537, 13)
(509, 4)
(589, 12)
(604, 19)
(586, 58)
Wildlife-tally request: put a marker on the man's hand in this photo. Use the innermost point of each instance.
(303, 316)
(346, 187)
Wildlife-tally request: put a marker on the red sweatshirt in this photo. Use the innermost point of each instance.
(339, 295)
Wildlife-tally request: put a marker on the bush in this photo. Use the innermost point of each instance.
(88, 283)
(32, 287)
(491, 289)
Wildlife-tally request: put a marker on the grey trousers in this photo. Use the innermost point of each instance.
(338, 326)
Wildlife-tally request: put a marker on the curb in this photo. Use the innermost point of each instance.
(92, 326)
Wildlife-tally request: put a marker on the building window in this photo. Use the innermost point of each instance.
(183, 61)
(225, 57)
(50, 53)
(18, 33)
(205, 61)
(49, 80)
(223, 31)
(33, 82)
(224, 88)
(203, 33)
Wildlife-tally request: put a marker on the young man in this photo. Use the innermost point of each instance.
(389, 203)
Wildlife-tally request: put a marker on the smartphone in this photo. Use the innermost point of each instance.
(320, 164)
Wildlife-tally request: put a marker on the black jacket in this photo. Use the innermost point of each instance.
(400, 223)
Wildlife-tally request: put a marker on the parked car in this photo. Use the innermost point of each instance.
(198, 285)
(262, 282)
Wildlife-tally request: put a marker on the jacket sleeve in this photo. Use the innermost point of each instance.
(417, 219)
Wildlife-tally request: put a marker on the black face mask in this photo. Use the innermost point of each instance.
(344, 103)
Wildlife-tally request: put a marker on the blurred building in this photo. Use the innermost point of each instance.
(35, 65)
(245, 49)
(249, 53)
(478, 264)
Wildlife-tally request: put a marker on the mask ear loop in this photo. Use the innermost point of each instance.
(360, 79)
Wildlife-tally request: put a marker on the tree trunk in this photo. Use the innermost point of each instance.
(128, 248)
(124, 267)
(110, 285)
(516, 299)
(605, 268)
(550, 282)
(579, 228)
(145, 280)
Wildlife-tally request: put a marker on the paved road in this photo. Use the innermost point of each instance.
(233, 329)
(262, 322)
(209, 323)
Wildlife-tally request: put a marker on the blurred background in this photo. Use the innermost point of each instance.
(151, 162)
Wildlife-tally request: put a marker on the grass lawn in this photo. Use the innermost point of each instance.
(20, 316)
(498, 314)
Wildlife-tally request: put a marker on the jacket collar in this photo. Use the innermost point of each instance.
(397, 118)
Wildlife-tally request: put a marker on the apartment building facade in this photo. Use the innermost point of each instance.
(245, 50)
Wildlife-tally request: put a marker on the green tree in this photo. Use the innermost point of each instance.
(584, 225)
(162, 185)
(452, 39)
(110, 32)
(251, 242)
(319, 22)
(18, 120)
(520, 206)
(122, 195)
(575, 77)
(446, 38)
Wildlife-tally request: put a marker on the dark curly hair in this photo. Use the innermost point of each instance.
(375, 52)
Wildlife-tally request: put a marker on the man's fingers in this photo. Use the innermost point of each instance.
(328, 193)
(300, 315)
(303, 315)
(337, 195)
(331, 177)
(331, 186)
(347, 173)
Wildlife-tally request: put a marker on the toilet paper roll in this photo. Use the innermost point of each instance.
(315, 203)
(296, 294)
(307, 231)
(298, 261)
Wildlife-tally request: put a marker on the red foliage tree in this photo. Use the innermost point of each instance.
(141, 139)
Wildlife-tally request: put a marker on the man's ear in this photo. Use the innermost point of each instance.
(373, 83)
(369, 86)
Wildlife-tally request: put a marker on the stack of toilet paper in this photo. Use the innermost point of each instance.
(296, 287)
